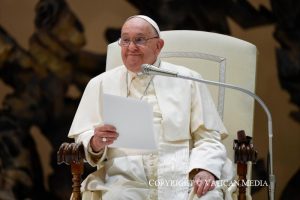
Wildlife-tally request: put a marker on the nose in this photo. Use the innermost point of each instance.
(132, 45)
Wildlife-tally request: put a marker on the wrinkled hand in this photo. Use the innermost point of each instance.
(204, 181)
(106, 131)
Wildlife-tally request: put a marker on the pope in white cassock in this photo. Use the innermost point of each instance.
(188, 130)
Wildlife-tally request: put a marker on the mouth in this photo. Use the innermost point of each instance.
(133, 54)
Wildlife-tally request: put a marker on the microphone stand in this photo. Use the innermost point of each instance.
(149, 70)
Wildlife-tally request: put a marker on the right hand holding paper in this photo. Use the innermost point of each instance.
(133, 120)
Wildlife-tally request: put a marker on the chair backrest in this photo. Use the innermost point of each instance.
(216, 57)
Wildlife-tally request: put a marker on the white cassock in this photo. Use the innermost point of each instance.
(188, 132)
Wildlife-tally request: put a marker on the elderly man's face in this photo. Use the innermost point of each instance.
(134, 56)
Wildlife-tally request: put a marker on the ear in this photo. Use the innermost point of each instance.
(160, 43)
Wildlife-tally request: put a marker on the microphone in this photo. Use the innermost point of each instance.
(152, 70)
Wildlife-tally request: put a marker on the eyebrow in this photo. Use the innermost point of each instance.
(137, 35)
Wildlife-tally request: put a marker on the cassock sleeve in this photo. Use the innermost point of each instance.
(208, 152)
(92, 158)
(88, 115)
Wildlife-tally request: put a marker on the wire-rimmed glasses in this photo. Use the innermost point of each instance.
(139, 41)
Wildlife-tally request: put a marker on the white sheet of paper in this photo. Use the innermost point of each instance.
(133, 120)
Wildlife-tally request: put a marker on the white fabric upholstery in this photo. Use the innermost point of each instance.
(216, 57)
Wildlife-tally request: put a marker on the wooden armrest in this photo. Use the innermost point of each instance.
(73, 154)
(244, 152)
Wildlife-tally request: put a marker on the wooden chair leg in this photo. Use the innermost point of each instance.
(77, 171)
(73, 154)
(242, 179)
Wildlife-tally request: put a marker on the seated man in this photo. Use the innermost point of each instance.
(188, 130)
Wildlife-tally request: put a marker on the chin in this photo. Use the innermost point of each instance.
(134, 68)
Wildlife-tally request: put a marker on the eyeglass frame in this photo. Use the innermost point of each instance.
(134, 42)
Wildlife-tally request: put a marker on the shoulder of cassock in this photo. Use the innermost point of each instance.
(204, 112)
(88, 114)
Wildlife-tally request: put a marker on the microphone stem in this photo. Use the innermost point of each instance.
(269, 117)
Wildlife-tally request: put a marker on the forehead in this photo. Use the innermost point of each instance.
(137, 26)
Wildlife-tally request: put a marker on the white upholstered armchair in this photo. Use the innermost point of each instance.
(216, 57)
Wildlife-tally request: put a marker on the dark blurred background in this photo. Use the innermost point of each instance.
(49, 49)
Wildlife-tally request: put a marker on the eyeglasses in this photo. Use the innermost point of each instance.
(139, 41)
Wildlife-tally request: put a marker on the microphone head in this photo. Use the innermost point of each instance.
(152, 70)
(145, 68)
